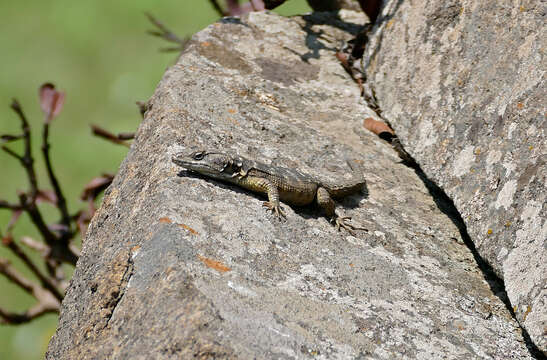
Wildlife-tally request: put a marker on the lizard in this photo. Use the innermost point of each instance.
(278, 183)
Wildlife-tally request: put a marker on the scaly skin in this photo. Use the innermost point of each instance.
(277, 183)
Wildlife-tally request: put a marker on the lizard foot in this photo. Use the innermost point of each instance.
(340, 222)
(274, 208)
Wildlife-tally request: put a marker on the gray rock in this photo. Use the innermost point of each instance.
(463, 83)
(177, 266)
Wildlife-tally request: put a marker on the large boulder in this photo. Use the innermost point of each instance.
(178, 266)
(463, 83)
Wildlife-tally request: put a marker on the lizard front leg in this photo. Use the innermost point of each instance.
(325, 201)
(264, 185)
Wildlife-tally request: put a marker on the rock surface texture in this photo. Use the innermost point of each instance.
(176, 266)
(463, 83)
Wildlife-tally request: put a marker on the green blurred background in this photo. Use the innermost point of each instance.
(98, 53)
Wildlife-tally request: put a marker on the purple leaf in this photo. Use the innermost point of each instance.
(51, 101)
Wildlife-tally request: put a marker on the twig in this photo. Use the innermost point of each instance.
(9, 271)
(8, 138)
(29, 204)
(61, 201)
(35, 245)
(126, 136)
(217, 7)
(46, 282)
(143, 107)
(13, 153)
(37, 219)
(47, 303)
(6, 205)
(166, 34)
(33, 313)
(26, 160)
(272, 4)
(107, 135)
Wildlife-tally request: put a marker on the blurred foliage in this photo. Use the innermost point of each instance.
(98, 52)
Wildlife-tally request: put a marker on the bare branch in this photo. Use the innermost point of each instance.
(13, 153)
(9, 271)
(143, 107)
(38, 246)
(34, 312)
(126, 136)
(6, 205)
(26, 203)
(107, 135)
(26, 160)
(37, 219)
(166, 34)
(217, 7)
(7, 138)
(47, 303)
(61, 201)
(46, 282)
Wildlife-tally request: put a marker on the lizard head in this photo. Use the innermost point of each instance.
(209, 163)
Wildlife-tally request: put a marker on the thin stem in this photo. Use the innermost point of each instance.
(26, 159)
(46, 282)
(37, 219)
(61, 201)
(217, 7)
(6, 205)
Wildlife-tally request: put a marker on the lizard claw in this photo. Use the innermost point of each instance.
(274, 208)
(340, 222)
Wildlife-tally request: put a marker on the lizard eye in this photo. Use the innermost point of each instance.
(198, 156)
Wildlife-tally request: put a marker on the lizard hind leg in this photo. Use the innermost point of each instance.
(325, 201)
(274, 208)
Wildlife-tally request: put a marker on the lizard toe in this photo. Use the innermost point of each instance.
(341, 222)
(276, 209)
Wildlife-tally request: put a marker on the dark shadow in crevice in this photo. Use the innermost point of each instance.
(378, 29)
(313, 36)
(496, 283)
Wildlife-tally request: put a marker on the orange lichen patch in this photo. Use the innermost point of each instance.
(531, 147)
(507, 224)
(234, 121)
(376, 126)
(135, 248)
(528, 310)
(477, 151)
(460, 325)
(489, 232)
(165, 220)
(232, 111)
(169, 270)
(205, 44)
(213, 264)
(186, 227)
(351, 265)
(520, 105)
(522, 8)
(390, 23)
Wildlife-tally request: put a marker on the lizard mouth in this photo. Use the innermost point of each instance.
(213, 165)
